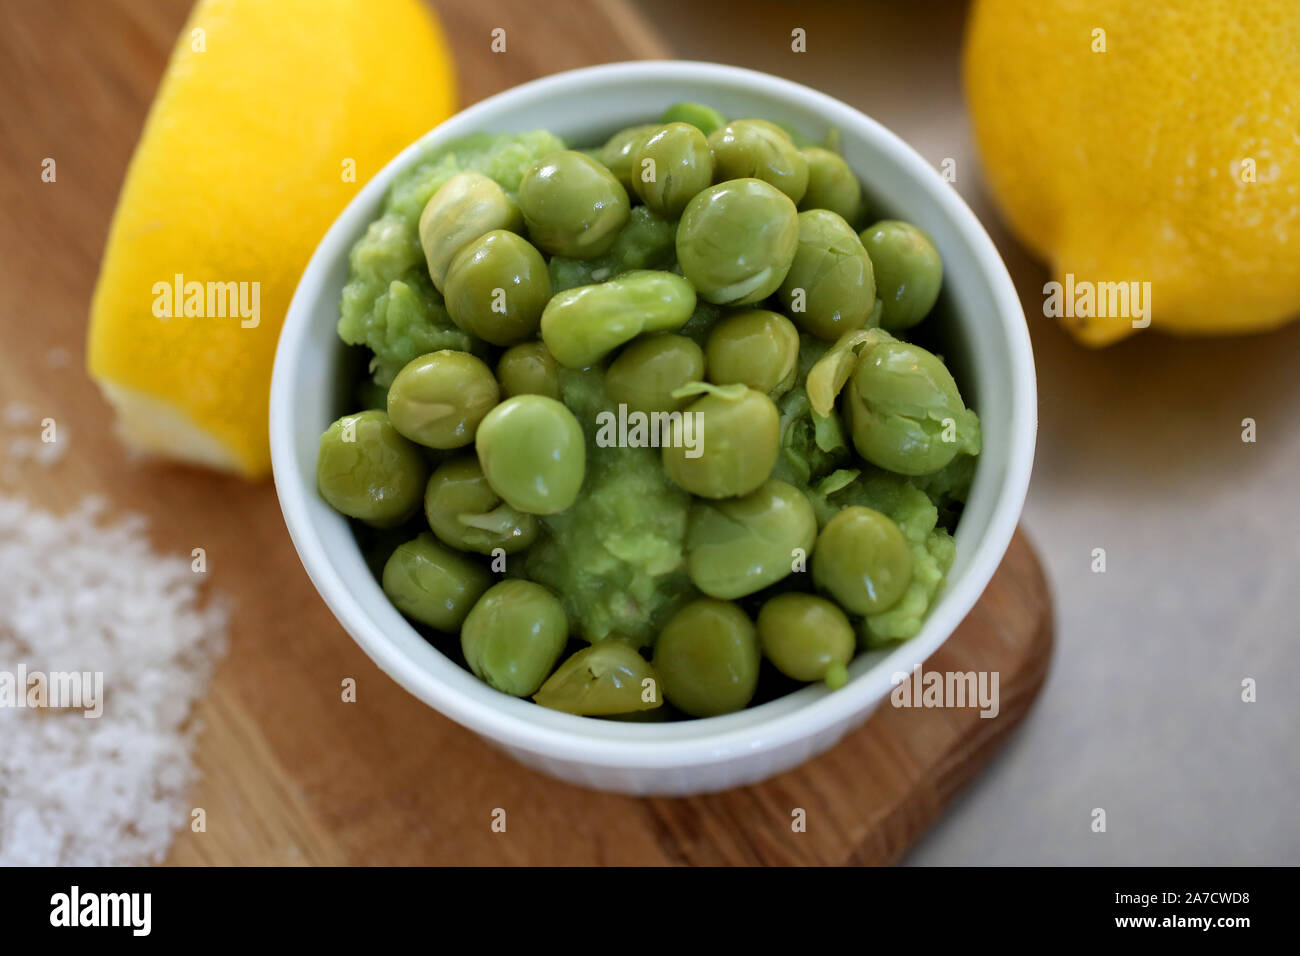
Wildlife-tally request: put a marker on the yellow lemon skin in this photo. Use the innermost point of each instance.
(268, 118)
(1164, 149)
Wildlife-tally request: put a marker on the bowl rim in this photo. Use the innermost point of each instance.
(631, 745)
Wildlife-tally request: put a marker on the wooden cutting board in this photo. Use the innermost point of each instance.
(291, 774)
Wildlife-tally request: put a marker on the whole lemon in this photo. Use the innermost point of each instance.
(1127, 141)
(269, 118)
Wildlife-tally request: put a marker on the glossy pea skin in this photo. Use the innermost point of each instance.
(704, 118)
(736, 240)
(497, 286)
(439, 399)
(573, 206)
(465, 207)
(367, 470)
(909, 272)
(807, 638)
(514, 635)
(708, 658)
(830, 288)
(432, 584)
(618, 155)
(862, 560)
(582, 325)
(737, 546)
(832, 184)
(672, 166)
(757, 149)
(466, 514)
(528, 369)
(737, 439)
(647, 372)
(899, 402)
(609, 677)
(757, 348)
(533, 454)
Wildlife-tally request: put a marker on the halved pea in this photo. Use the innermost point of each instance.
(609, 677)
(582, 325)
(737, 546)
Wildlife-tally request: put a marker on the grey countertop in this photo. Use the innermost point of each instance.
(1139, 453)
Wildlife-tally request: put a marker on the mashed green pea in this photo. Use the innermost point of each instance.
(389, 303)
(646, 242)
(617, 556)
(932, 548)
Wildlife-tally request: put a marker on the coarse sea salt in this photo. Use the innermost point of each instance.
(79, 593)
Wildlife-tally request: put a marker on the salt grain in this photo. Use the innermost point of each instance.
(78, 593)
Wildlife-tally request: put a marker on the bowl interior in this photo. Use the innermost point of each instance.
(979, 322)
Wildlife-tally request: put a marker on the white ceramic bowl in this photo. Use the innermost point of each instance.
(984, 338)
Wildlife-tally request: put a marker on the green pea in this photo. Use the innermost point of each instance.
(708, 658)
(439, 399)
(433, 584)
(672, 165)
(736, 240)
(831, 184)
(904, 411)
(367, 470)
(908, 269)
(609, 677)
(618, 155)
(737, 546)
(756, 348)
(745, 149)
(514, 635)
(704, 118)
(529, 369)
(497, 287)
(464, 208)
(725, 444)
(466, 514)
(646, 373)
(830, 288)
(582, 325)
(862, 560)
(573, 206)
(806, 638)
(533, 454)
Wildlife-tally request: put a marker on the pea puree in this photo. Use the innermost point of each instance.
(499, 399)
